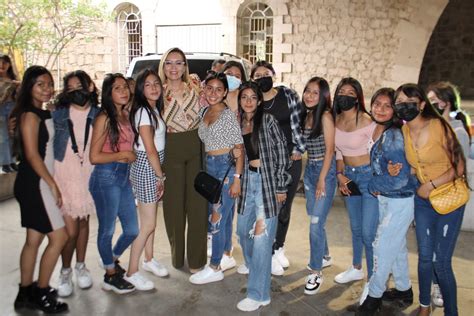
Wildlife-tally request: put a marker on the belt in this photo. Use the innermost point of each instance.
(255, 169)
(316, 159)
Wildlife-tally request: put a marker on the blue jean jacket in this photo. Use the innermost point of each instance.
(61, 135)
(390, 147)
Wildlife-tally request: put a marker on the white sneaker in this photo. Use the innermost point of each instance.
(242, 269)
(364, 294)
(139, 281)
(249, 305)
(209, 245)
(65, 282)
(227, 262)
(277, 269)
(327, 261)
(436, 295)
(351, 274)
(155, 267)
(206, 275)
(313, 284)
(83, 276)
(280, 254)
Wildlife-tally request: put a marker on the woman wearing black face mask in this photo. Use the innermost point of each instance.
(354, 129)
(75, 110)
(433, 151)
(284, 104)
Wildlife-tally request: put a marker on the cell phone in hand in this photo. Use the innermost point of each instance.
(352, 186)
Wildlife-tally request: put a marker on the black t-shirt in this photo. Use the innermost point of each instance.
(278, 107)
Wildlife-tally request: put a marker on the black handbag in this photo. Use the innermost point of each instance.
(209, 187)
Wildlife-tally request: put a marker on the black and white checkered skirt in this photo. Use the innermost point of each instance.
(143, 178)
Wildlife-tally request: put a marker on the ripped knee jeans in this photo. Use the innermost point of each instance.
(256, 235)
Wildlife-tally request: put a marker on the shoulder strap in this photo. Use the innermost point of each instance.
(70, 125)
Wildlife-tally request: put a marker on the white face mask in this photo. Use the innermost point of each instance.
(233, 82)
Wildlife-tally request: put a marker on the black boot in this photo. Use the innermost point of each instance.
(404, 298)
(24, 299)
(370, 306)
(47, 303)
(51, 290)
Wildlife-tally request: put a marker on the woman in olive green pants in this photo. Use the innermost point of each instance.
(183, 160)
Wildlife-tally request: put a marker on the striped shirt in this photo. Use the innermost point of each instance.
(274, 162)
(315, 146)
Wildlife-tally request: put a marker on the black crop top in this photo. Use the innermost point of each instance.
(251, 155)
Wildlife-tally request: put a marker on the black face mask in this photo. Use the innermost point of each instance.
(79, 97)
(436, 106)
(345, 102)
(265, 83)
(407, 111)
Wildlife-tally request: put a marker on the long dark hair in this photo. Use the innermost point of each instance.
(85, 80)
(360, 96)
(211, 75)
(257, 118)
(233, 63)
(449, 93)
(324, 104)
(10, 72)
(108, 107)
(455, 151)
(390, 93)
(141, 102)
(24, 102)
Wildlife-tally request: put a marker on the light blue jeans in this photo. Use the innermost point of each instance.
(390, 245)
(257, 250)
(111, 190)
(221, 230)
(318, 210)
(363, 215)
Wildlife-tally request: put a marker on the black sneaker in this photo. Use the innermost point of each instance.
(14, 166)
(370, 306)
(24, 299)
(117, 283)
(404, 298)
(119, 269)
(51, 290)
(7, 169)
(47, 303)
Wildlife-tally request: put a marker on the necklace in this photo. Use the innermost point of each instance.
(271, 105)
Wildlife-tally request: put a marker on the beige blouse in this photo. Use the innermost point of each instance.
(182, 117)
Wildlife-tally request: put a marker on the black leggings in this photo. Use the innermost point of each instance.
(284, 216)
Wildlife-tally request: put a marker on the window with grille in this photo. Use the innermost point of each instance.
(129, 26)
(256, 32)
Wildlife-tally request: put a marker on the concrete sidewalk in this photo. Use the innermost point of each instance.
(176, 296)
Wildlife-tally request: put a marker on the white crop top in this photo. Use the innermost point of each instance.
(142, 118)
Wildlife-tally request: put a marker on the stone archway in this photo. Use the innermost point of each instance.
(414, 33)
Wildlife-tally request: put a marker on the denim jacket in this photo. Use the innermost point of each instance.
(61, 135)
(390, 147)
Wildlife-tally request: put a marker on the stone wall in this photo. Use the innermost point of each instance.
(335, 39)
(450, 52)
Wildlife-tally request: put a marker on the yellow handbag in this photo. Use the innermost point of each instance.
(449, 196)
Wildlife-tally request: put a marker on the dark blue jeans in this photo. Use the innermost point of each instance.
(112, 193)
(436, 236)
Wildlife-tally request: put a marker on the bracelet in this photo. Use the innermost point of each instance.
(339, 172)
(238, 176)
(162, 178)
(434, 186)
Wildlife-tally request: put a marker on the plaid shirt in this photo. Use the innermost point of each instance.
(296, 109)
(274, 161)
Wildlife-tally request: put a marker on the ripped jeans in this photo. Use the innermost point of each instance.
(221, 230)
(436, 236)
(257, 249)
(390, 245)
(318, 210)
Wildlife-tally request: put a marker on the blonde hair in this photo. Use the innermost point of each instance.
(161, 72)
